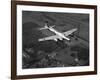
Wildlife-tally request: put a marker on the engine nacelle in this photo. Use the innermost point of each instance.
(60, 39)
(55, 39)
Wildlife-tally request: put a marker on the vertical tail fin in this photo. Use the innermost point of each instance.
(46, 25)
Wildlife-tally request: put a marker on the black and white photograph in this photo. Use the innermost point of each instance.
(52, 39)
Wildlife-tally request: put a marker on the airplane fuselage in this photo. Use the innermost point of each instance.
(58, 33)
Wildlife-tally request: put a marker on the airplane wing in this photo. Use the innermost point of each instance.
(69, 32)
(55, 37)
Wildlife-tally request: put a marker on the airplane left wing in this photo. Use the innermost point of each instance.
(67, 33)
(55, 37)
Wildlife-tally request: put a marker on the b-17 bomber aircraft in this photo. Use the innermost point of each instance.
(58, 35)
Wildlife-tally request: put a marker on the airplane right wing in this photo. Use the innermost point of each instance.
(67, 33)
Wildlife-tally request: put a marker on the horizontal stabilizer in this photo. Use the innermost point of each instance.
(42, 28)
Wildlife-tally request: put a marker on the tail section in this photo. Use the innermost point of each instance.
(45, 27)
